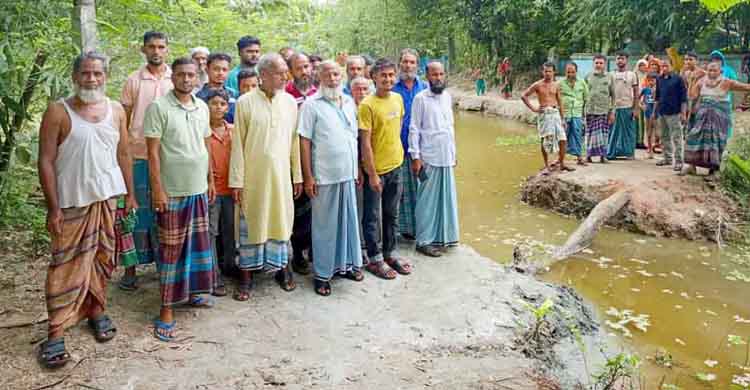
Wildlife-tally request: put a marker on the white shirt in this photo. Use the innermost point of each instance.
(431, 133)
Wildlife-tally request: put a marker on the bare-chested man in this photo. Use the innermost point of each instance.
(551, 122)
(690, 73)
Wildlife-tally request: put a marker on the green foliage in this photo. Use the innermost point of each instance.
(735, 174)
(621, 368)
(540, 317)
(21, 206)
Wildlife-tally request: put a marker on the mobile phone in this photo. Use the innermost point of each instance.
(422, 175)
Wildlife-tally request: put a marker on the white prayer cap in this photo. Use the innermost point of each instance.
(199, 49)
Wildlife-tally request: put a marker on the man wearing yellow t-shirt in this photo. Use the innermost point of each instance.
(380, 117)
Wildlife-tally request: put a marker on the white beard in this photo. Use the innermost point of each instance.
(332, 94)
(90, 96)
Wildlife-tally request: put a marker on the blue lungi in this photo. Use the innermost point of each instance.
(145, 233)
(622, 135)
(335, 232)
(574, 133)
(406, 218)
(437, 214)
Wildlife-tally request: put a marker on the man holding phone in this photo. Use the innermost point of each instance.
(432, 148)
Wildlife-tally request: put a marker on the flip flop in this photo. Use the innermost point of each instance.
(399, 266)
(128, 283)
(285, 279)
(200, 301)
(166, 328)
(567, 169)
(356, 276)
(381, 270)
(103, 328)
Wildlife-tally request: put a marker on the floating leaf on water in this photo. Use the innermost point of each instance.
(663, 275)
(645, 273)
(678, 307)
(733, 339)
(639, 261)
(677, 274)
(706, 377)
(706, 254)
(667, 291)
(711, 313)
(640, 241)
(588, 251)
(705, 263)
(703, 248)
(740, 320)
(678, 341)
(635, 289)
(711, 363)
(685, 295)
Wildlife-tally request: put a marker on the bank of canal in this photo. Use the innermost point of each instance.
(688, 296)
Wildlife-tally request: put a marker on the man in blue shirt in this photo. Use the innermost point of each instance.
(671, 104)
(218, 68)
(249, 51)
(408, 86)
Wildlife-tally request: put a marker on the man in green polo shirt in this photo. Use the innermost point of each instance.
(176, 127)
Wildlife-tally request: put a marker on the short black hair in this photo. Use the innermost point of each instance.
(182, 61)
(149, 35)
(214, 92)
(218, 57)
(600, 56)
(246, 74)
(549, 64)
(381, 65)
(692, 54)
(316, 58)
(652, 75)
(573, 64)
(247, 40)
(622, 54)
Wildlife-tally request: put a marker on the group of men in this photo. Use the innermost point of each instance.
(215, 171)
(607, 112)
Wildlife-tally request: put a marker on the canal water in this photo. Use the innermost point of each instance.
(676, 303)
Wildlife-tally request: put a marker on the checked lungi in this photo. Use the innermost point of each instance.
(186, 264)
(437, 216)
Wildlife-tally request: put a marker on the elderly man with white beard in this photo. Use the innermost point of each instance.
(432, 147)
(328, 141)
(84, 164)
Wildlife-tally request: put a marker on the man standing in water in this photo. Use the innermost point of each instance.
(551, 120)
(432, 147)
(621, 141)
(150, 82)
(408, 86)
(249, 51)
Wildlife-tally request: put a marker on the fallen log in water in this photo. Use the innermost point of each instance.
(582, 237)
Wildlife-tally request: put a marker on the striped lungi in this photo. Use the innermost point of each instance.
(125, 253)
(82, 262)
(335, 233)
(186, 264)
(574, 134)
(437, 215)
(406, 220)
(622, 135)
(270, 256)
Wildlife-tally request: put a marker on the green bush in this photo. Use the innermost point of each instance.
(22, 204)
(735, 175)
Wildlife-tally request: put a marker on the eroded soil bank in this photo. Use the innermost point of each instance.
(661, 204)
(456, 323)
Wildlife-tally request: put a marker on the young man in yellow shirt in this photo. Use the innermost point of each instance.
(380, 118)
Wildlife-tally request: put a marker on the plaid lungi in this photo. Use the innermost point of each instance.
(186, 263)
(407, 221)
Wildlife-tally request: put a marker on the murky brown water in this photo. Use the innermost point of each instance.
(681, 286)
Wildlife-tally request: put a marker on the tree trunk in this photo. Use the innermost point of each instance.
(582, 237)
(84, 25)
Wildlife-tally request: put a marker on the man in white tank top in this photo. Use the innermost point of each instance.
(84, 165)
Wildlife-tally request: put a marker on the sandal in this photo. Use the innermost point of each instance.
(200, 301)
(429, 250)
(243, 291)
(103, 328)
(566, 168)
(582, 163)
(128, 283)
(220, 291)
(355, 275)
(285, 279)
(399, 266)
(163, 331)
(322, 288)
(381, 270)
(52, 353)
